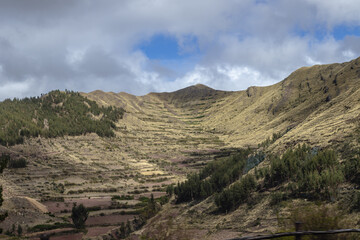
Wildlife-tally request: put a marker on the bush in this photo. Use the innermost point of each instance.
(17, 163)
(122, 197)
(352, 170)
(46, 227)
(317, 218)
(4, 159)
(355, 206)
(277, 197)
(94, 208)
(79, 215)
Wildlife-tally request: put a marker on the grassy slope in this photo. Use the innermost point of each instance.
(317, 105)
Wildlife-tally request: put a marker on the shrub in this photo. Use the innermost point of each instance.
(277, 197)
(46, 227)
(17, 163)
(317, 218)
(122, 197)
(79, 215)
(355, 206)
(352, 170)
(4, 159)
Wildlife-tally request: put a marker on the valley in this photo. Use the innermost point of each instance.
(161, 138)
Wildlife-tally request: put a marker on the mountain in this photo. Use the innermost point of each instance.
(111, 151)
(316, 105)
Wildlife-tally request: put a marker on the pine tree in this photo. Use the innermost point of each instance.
(19, 230)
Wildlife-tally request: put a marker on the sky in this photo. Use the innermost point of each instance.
(142, 46)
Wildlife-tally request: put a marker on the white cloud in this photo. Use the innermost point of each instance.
(16, 89)
(86, 45)
(222, 77)
(73, 57)
(335, 12)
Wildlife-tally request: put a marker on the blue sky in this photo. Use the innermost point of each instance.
(166, 47)
(139, 46)
(342, 31)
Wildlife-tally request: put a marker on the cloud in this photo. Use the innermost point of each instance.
(223, 77)
(88, 45)
(334, 12)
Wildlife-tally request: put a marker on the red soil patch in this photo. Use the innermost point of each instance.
(60, 234)
(109, 219)
(179, 159)
(75, 236)
(96, 231)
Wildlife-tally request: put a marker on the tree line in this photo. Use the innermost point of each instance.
(217, 175)
(55, 114)
(301, 172)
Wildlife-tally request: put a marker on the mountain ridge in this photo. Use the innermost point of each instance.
(258, 112)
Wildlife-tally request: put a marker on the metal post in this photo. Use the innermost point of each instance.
(297, 229)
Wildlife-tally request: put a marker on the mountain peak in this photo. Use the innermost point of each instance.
(201, 86)
(190, 94)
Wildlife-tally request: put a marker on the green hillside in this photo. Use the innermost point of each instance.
(54, 114)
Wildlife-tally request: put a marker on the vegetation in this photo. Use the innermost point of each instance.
(150, 208)
(277, 197)
(4, 159)
(214, 177)
(79, 215)
(302, 172)
(355, 205)
(17, 163)
(317, 218)
(122, 197)
(270, 141)
(352, 170)
(54, 114)
(310, 173)
(46, 227)
(236, 194)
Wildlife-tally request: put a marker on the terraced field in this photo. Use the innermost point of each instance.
(155, 145)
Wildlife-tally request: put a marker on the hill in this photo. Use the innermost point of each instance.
(52, 115)
(111, 151)
(316, 105)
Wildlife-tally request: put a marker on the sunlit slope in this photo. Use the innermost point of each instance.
(318, 105)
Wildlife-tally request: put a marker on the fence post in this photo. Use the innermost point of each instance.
(297, 229)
